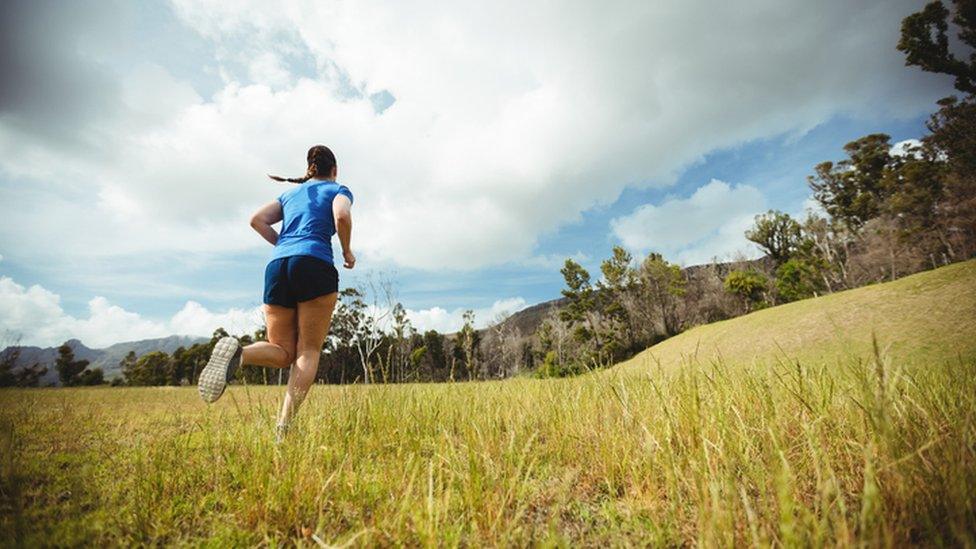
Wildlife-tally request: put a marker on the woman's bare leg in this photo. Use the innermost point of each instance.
(279, 350)
(314, 318)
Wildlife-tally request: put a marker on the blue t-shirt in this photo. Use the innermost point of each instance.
(308, 225)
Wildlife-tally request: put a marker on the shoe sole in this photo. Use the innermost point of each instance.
(214, 377)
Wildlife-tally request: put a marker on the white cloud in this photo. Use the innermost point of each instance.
(35, 314)
(437, 318)
(708, 224)
(267, 69)
(904, 148)
(195, 319)
(509, 119)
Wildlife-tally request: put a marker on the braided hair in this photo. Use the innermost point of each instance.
(320, 164)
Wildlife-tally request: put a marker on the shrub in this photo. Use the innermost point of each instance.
(750, 285)
(798, 279)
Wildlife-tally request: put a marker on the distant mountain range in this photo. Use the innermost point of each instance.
(107, 359)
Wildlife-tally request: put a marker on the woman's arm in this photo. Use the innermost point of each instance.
(342, 213)
(267, 215)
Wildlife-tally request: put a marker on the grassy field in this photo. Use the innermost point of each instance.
(839, 447)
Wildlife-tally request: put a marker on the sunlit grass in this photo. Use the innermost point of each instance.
(926, 317)
(773, 453)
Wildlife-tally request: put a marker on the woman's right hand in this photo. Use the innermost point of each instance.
(350, 259)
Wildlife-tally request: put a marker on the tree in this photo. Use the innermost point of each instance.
(592, 333)
(925, 41)
(750, 286)
(369, 310)
(341, 351)
(561, 353)
(26, 376)
(798, 278)
(68, 368)
(828, 244)
(581, 309)
(8, 359)
(777, 234)
(619, 280)
(914, 183)
(555, 337)
(30, 376)
(921, 215)
(502, 348)
(153, 368)
(194, 360)
(417, 358)
(179, 366)
(852, 191)
(578, 291)
(128, 367)
(953, 136)
(91, 377)
(618, 275)
(398, 350)
(434, 354)
(663, 285)
(466, 345)
(549, 367)
(218, 334)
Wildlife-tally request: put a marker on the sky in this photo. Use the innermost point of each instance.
(485, 143)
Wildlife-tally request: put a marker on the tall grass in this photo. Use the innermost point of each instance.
(862, 452)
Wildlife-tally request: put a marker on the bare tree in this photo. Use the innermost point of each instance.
(468, 342)
(394, 366)
(556, 335)
(374, 303)
(502, 347)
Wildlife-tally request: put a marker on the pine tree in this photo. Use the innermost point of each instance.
(69, 369)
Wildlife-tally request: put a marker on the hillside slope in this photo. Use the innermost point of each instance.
(929, 316)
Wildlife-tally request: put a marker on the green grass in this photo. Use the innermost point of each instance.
(846, 449)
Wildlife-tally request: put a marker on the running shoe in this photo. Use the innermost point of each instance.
(280, 431)
(224, 361)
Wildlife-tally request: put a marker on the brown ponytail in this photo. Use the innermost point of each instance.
(320, 163)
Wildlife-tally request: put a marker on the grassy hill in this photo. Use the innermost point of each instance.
(924, 318)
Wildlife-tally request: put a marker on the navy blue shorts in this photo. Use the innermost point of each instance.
(288, 280)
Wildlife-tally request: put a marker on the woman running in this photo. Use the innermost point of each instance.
(301, 283)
